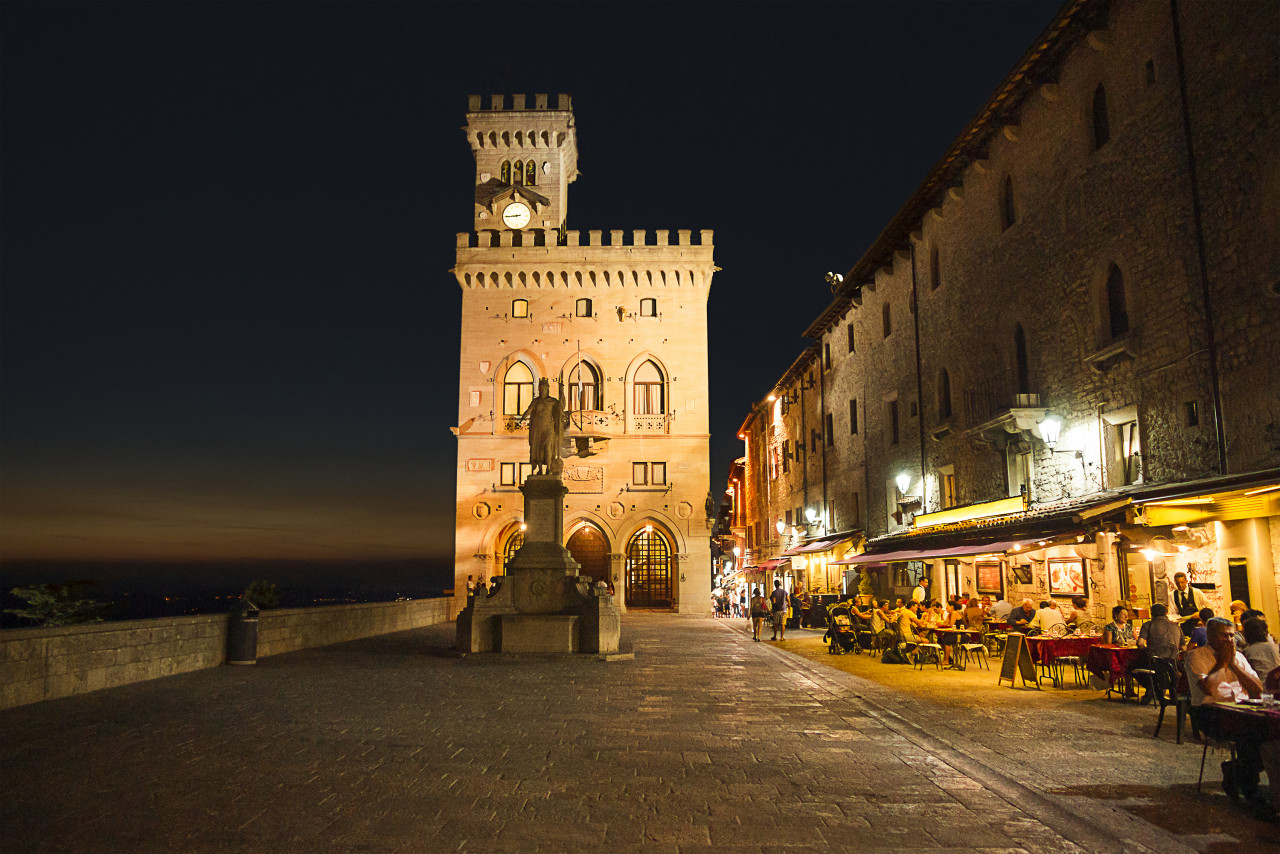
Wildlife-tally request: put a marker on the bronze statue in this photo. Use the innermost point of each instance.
(546, 419)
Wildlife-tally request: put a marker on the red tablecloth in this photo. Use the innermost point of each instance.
(1110, 662)
(1045, 650)
(1244, 722)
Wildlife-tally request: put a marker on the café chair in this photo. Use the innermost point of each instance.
(973, 652)
(928, 648)
(1078, 673)
(1164, 687)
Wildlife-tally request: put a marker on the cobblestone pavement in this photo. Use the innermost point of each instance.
(705, 741)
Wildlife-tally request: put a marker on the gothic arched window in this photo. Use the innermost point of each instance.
(1101, 121)
(517, 389)
(584, 388)
(1021, 360)
(530, 174)
(1008, 213)
(649, 385)
(504, 173)
(514, 542)
(1117, 305)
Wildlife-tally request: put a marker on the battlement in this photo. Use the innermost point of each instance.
(498, 103)
(551, 237)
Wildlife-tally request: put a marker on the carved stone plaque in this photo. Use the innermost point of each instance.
(584, 479)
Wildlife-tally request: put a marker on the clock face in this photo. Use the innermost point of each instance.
(515, 215)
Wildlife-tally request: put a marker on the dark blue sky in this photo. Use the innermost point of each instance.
(228, 327)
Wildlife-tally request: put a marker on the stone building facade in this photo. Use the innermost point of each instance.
(1078, 310)
(616, 321)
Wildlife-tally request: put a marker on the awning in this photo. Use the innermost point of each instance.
(818, 546)
(773, 564)
(932, 554)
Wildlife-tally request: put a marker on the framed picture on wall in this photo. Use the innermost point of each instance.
(1067, 577)
(989, 577)
(1021, 572)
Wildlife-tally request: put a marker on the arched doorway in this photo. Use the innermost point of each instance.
(591, 550)
(511, 543)
(648, 569)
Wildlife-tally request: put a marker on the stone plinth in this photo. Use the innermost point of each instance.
(542, 604)
(539, 633)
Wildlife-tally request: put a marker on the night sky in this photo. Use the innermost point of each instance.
(228, 326)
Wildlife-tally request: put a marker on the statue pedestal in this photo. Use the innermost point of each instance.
(542, 604)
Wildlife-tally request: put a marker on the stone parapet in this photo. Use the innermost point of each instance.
(46, 663)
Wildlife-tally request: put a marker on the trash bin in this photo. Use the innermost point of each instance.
(242, 634)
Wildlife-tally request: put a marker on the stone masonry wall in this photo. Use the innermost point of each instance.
(43, 664)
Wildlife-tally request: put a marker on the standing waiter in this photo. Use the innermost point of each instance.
(1185, 601)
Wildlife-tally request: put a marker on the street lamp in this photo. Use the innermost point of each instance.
(903, 480)
(1051, 429)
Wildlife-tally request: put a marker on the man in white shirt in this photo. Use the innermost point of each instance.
(1046, 618)
(921, 593)
(1185, 601)
(1000, 610)
(1217, 673)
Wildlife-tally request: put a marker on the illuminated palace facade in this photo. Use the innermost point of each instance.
(617, 322)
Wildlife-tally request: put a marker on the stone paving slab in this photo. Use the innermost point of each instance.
(705, 741)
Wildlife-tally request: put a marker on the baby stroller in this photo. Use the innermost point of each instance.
(842, 634)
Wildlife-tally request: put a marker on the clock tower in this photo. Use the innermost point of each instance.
(616, 323)
(526, 157)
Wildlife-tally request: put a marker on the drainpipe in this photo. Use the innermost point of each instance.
(919, 378)
(822, 425)
(1219, 428)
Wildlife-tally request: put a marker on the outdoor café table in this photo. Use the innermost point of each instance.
(1243, 722)
(1045, 649)
(1111, 662)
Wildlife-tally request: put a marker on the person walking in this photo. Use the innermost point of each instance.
(759, 610)
(778, 607)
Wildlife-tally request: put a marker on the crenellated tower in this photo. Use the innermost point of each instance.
(526, 158)
(616, 321)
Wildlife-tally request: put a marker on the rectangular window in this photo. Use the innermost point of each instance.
(826, 357)
(851, 347)
(831, 430)
(799, 515)
(788, 518)
(786, 458)
(814, 439)
(893, 422)
(948, 490)
(1192, 412)
(582, 308)
(519, 308)
(507, 474)
(658, 474)
(855, 517)
(648, 307)
(640, 474)
(853, 416)
(526, 469)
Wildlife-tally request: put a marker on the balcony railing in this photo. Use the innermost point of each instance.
(994, 395)
(650, 423)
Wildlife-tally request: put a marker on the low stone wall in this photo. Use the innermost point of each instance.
(42, 664)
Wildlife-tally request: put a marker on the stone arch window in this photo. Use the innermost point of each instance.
(1021, 361)
(886, 319)
(1101, 120)
(1008, 213)
(519, 308)
(584, 388)
(530, 174)
(504, 172)
(1117, 306)
(648, 307)
(649, 569)
(517, 390)
(582, 308)
(648, 390)
(944, 395)
(935, 270)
